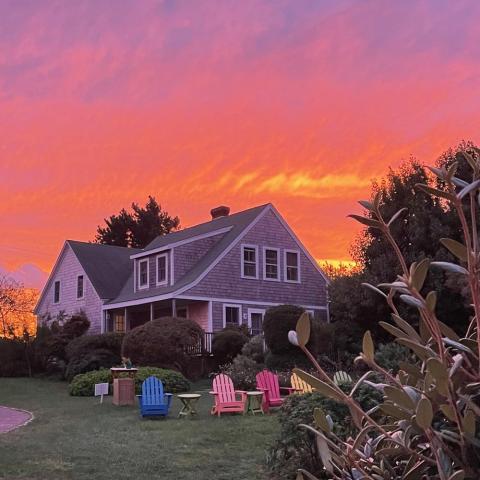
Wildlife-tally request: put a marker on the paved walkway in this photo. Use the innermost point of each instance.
(11, 418)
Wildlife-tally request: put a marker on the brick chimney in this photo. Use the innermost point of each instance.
(218, 212)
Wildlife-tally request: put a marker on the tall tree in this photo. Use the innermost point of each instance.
(418, 231)
(16, 309)
(138, 228)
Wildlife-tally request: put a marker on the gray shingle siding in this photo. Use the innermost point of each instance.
(224, 280)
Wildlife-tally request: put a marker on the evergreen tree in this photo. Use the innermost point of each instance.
(138, 228)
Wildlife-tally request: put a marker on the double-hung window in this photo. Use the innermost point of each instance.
(292, 266)
(162, 269)
(80, 287)
(271, 264)
(249, 261)
(231, 315)
(143, 275)
(56, 292)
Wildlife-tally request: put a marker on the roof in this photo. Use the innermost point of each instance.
(240, 219)
(106, 266)
(237, 222)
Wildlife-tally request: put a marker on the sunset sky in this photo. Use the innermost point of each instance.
(199, 103)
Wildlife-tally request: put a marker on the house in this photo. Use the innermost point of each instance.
(228, 270)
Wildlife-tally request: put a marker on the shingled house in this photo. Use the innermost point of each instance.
(228, 270)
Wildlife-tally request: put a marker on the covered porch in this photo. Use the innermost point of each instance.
(121, 320)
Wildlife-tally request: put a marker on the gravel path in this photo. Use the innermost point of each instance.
(11, 418)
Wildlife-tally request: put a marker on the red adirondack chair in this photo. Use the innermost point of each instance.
(267, 382)
(227, 399)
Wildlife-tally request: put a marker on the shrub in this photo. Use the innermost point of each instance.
(75, 326)
(390, 355)
(227, 344)
(242, 372)
(94, 360)
(277, 322)
(162, 342)
(83, 385)
(296, 448)
(285, 361)
(89, 343)
(13, 362)
(254, 349)
(91, 352)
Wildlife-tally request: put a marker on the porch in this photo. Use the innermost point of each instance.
(121, 320)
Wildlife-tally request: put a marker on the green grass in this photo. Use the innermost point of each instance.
(77, 438)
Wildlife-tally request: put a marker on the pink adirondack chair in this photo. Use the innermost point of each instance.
(227, 399)
(267, 382)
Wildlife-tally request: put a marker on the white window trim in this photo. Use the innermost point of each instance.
(242, 261)
(59, 292)
(167, 269)
(279, 275)
(83, 287)
(139, 270)
(254, 310)
(285, 266)
(233, 305)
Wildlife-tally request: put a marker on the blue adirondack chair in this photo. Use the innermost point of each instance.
(152, 401)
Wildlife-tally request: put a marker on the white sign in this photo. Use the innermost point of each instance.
(101, 389)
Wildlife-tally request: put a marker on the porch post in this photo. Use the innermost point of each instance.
(125, 319)
(151, 312)
(174, 307)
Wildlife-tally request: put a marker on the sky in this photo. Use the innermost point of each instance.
(300, 103)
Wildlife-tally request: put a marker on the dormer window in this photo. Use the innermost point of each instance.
(162, 269)
(271, 264)
(292, 266)
(249, 261)
(143, 274)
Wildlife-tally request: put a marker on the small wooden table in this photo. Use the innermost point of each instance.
(123, 386)
(189, 400)
(254, 402)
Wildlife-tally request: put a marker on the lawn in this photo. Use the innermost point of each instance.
(77, 438)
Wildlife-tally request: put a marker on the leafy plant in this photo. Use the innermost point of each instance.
(227, 344)
(83, 384)
(429, 424)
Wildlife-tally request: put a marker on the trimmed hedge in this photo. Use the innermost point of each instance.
(83, 385)
(162, 343)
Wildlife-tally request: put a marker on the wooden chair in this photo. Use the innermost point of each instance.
(267, 382)
(300, 386)
(226, 398)
(153, 402)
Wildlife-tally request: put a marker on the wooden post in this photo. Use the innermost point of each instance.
(174, 307)
(151, 311)
(125, 319)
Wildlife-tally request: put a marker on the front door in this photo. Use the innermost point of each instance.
(255, 320)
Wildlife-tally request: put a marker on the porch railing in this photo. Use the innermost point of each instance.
(203, 346)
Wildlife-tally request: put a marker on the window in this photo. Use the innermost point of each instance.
(143, 273)
(231, 315)
(271, 264)
(255, 320)
(292, 266)
(80, 287)
(119, 323)
(56, 292)
(162, 269)
(249, 261)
